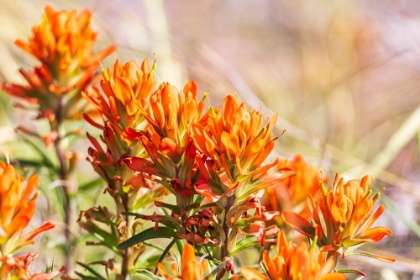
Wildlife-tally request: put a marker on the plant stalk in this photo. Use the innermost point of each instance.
(64, 176)
(226, 229)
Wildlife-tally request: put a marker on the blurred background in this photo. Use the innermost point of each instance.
(344, 77)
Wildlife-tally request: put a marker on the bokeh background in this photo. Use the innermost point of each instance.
(344, 77)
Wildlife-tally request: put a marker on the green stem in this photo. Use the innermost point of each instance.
(226, 229)
(64, 176)
(125, 263)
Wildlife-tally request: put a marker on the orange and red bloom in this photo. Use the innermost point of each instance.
(63, 44)
(235, 138)
(342, 217)
(126, 87)
(293, 263)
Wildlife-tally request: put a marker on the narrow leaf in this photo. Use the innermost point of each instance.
(148, 274)
(380, 258)
(151, 233)
(355, 271)
(165, 252)
(91, 270)
(91, 185)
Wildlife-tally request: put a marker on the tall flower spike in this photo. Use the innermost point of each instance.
(190, 269)
(342, 217)
(126, 88)
(293, 263)
(64, 43)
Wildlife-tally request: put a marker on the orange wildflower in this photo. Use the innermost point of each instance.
(291, 193)
(16, 209)
(293, 263)
(342, 217)
(235, 144)
(64, 43)
(171, 112)
(191, 268)
(126, 88)
(233, 137)
(166, 140)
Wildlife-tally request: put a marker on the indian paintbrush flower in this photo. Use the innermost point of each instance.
(342, 217)
(293, 263)
(63, 43)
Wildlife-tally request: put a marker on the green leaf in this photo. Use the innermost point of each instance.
(380, 258)
(355, 271)
(149, 274)
(165, 252)
(45, 160)
(85, 277)
(153, 246)
(243, 247)
(151, 233)
(153, 260)
(91, 185)
(91, 270)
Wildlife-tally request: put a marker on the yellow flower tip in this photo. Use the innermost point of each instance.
(6, 153)
(323, 187)
(212, 112)
(103, 71)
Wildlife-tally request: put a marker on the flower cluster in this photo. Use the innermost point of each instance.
(200, 176)
(63, 44)
(292, 263)
(212, 162)
(342, 217)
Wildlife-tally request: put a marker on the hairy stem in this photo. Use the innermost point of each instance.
(225, 251)
(125, 263)
(64, 176)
